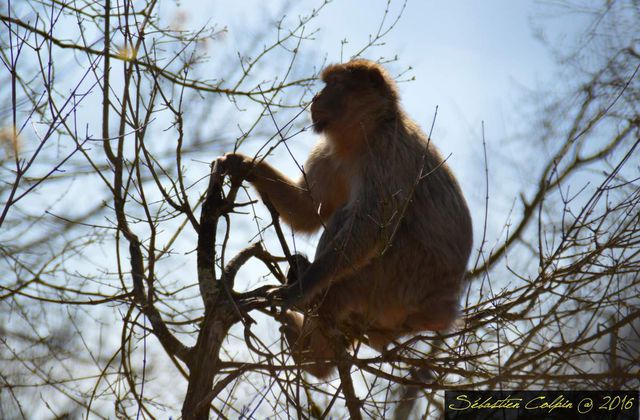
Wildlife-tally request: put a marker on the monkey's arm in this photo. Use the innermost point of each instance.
(302, 204)
(292, 199)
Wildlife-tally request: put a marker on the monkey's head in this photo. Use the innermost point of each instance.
(358, 93)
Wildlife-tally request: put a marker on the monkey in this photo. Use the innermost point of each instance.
(397, 231)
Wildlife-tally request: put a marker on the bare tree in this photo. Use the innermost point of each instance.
(122, 242)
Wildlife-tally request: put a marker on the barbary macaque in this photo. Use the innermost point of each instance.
(397, 231)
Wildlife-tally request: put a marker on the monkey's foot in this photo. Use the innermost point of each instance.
(277, 297)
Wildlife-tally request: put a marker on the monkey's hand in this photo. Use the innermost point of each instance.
(291, 296)
(304, 291)
(288, 295)
(298, 266)
(238, 166)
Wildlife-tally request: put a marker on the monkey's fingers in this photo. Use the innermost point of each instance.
(237, 165)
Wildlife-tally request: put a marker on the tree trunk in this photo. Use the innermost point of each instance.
(203, 365)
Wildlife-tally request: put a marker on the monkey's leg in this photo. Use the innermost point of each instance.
(313, 339)
(350, 240)
(309, 344)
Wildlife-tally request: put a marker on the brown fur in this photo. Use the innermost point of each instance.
(394, 250)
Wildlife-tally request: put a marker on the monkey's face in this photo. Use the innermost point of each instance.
(355, 93)
(328, 105)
